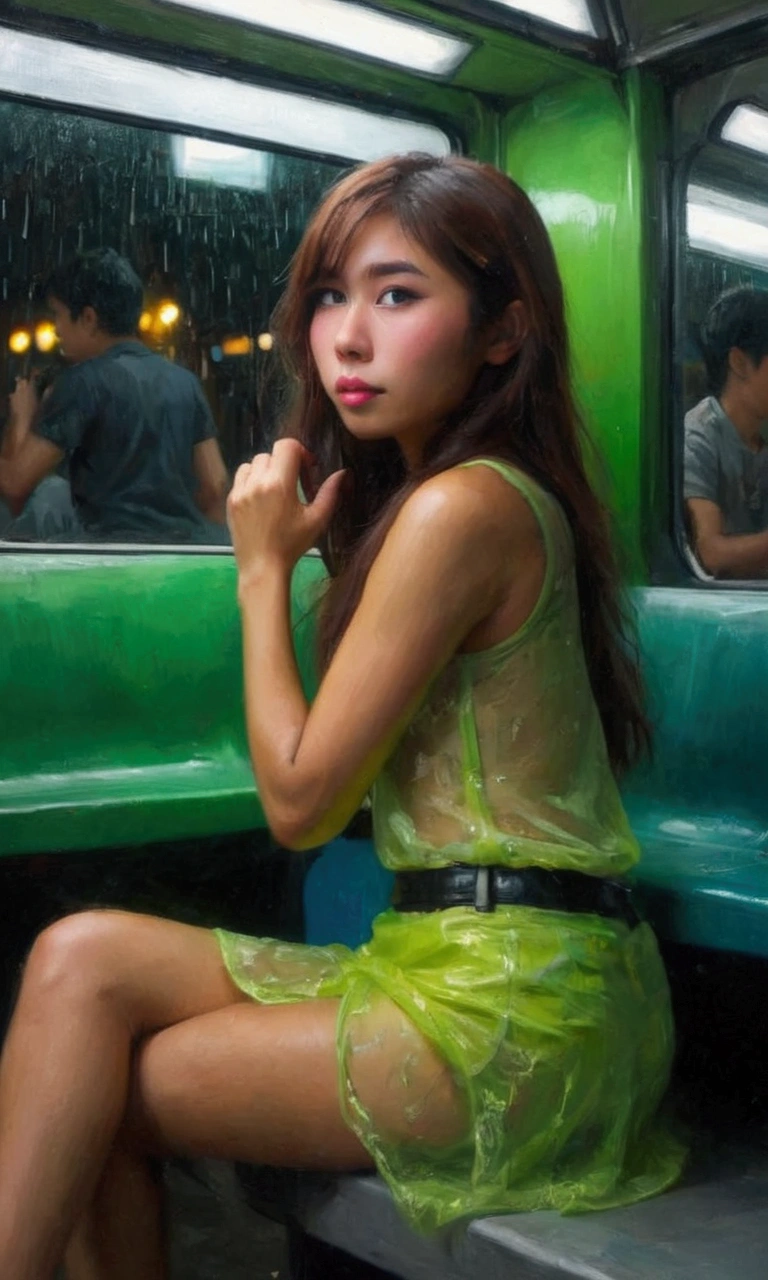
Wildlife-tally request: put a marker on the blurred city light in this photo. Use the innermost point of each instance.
(19, 341)
(238, 345)
(45, 336)
(168, 313)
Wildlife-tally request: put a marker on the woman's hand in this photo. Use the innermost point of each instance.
(268, 521)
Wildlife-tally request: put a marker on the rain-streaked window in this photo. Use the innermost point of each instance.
(208, 227)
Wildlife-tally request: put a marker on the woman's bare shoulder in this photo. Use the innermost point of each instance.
(471, 501)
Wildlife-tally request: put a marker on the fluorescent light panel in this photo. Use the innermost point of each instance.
(571, 14)
(747, 127)
(732, 228)
(57, 71)
(342, 25)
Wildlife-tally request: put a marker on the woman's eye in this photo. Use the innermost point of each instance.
(328, 297)
(395, 296)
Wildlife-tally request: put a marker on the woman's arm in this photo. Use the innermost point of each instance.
(445, 565)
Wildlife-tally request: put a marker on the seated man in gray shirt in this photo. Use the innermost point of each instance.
(725, 481)
(144, 463)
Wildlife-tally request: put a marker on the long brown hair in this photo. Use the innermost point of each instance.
(481, 227)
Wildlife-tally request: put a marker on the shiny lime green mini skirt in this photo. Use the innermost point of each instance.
(553, 1030)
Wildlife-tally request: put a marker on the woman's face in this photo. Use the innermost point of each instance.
(390, 336)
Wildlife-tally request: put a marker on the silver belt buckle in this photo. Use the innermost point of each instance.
(483, 889)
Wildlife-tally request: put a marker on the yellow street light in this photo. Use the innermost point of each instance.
(20, 341)
(237, 345)
(145, 321)
(168, 313)
(264, 342)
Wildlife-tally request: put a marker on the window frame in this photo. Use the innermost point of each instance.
(693, 573)
(170, 126)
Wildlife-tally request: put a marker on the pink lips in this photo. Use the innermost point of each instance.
(353, 391)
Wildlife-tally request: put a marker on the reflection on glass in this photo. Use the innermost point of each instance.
(720, 223)
(725, 374)
(210, 256)
(227, 166)
(747, 126)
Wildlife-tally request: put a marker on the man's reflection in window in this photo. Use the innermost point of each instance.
(726, 456)
(136, 430)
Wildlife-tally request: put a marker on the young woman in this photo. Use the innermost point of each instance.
(503, 1041)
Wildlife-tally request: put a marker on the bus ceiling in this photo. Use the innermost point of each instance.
(503, 48)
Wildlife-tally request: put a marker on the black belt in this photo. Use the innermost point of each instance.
(484, 888)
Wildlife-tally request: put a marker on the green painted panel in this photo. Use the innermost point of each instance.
(121, 698)
(575, 152)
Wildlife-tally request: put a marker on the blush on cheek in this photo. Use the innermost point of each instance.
(433, 337)
(318, 347)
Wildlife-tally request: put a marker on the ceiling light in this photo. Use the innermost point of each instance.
(572, 14)
(731, 228)
(351, 27)
(57, 71)
(747, 127)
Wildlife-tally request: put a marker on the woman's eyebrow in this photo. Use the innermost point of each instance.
(401, 267)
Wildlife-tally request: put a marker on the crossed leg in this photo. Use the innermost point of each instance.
(256, 1082)
(129, 1038)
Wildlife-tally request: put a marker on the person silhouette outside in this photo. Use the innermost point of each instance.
(136, 429)
(48, 514)
(725, 483)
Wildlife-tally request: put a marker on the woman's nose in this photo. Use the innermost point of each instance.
(353, 339)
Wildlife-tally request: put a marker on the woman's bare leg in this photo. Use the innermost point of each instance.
(224, 1078)
(261, 1087)
(93, 984)
(122, 1234)
(260, 1083)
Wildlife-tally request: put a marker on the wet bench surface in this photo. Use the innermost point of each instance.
(714, 1226)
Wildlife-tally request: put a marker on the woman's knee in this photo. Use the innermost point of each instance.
(77, 954)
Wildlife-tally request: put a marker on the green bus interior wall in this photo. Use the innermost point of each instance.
(575, 151)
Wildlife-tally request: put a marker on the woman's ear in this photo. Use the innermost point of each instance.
(507, 335)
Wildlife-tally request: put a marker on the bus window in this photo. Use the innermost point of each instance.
(134, 433)
(724, 357)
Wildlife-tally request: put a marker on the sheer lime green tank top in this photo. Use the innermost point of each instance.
(506, 762)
